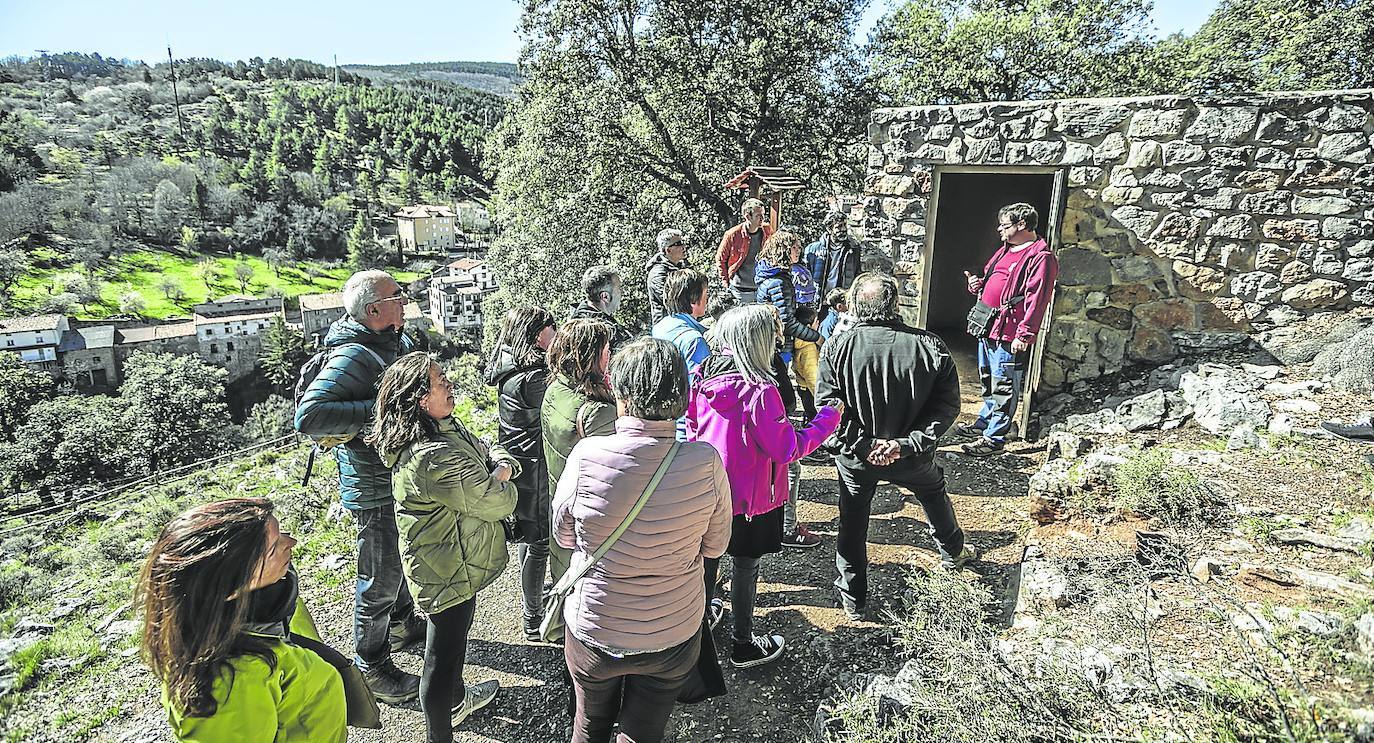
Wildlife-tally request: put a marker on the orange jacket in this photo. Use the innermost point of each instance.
(734, 248)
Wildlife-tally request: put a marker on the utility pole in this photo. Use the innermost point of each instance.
(336, 70)
(176, 99)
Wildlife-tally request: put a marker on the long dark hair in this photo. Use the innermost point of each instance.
(399, 420)
(575, 358)
(519, 334)
(193, 595)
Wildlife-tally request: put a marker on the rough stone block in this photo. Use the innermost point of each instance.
(982, 129)
(1045, 152)
(1360, 249)
(1318, 174)
(1145, 154)
(1223, 124)
(983, 150)
(1337, 228)
(1340, 117)
(1117, 195)
(1083, 176)
(1276, 128)
(1257, 286)
(1207, 179)
(1087, 120)
(1198, 282)
(1112, 317)
(1359, 269)
(1182, 153)
(1291, 230)
(1230, 157)
(1124, 177)
(1082, 267)
(1272, 257)
(1346, 147)
(1235, 226)
(1222, 198)
(1329, 259)
(1150, 345)
(1113, 147)
(1130, 295)
(1162, 179)
(1017, 153)
(1328, 203)
(1138, 221)
(940, 133)
(1076, 153)
(1316, 294)
(1267, 202)
(1258, 180)
(931, 152)
(1295, 272)
(1157, 124)
(1170, 200)
(1177, 227)
(894, 185)
(1237, 256)
(1272, 158)
(1025, 128)
(1172, 314)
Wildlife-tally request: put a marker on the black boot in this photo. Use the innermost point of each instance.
(392, 685)
(532, 633)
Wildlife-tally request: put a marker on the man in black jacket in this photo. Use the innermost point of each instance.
(604, 291)
(901, 392)
(671, 256)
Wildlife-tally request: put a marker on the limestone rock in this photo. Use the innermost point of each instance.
(1364, 636)
(1301, 536)
(1315, 294)
(1157, 124)
(1256, 286)
(1275, 128)
(1224, 398)
(1066, 445)
(1183, 153)
(1306, 407)
(1300, 342)
(1223, 125)
(1082, 267)
(1295, 272)
(1346, 147)
(1267, 202)
(1244, 437)
(1150, 344)
(1154, 409)
(1291, 230)
(1085, 120)
(1340, 117)
(1339, 228)
(1235, 226)
(1348, 361)
(1326, 204)
(1272, 257)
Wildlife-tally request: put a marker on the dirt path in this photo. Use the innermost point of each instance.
(773, 703)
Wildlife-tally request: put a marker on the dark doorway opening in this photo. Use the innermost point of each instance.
(963, 238)
(966, 236)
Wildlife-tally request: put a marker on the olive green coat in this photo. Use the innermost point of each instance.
(448, 511)
(558, 419)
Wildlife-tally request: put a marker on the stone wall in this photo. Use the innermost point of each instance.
(1188, 222)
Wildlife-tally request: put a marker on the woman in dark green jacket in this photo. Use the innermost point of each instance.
(451, 494)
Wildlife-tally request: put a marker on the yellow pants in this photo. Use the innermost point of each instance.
(806, 364)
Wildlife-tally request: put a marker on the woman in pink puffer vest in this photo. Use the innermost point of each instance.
(736, 407)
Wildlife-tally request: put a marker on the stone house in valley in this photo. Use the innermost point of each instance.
(427, 226)
(1180, 223)
(34, 339)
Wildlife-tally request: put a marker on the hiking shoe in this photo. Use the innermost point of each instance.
(801, 539)
(392, 685)
(715, 611)
(966, 556)
(758, 652)
(1355, 432)
(407, 632)
(475, 697)
(981, 448)
(532, 633)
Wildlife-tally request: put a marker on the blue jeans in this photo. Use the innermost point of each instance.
(380, 596)
(1002, 376)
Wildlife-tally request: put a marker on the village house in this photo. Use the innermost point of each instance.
(426, 226)
(229, 331)
(88, 358)
(35, 339)
(319, 311)
(455, 296)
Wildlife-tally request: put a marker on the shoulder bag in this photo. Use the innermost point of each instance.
(551, 629)
(983, 316)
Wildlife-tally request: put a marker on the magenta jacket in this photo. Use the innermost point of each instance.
(1035, 274)
(746, 423)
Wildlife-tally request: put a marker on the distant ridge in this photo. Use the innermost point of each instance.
(499, 78)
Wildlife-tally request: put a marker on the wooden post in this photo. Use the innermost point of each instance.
(775, 209)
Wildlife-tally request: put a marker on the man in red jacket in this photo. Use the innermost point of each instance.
(1019, 278)
(739, 251)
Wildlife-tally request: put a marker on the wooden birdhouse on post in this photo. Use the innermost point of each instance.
(766, 184)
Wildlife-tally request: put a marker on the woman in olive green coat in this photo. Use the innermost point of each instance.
(577, 404)
(451, 494)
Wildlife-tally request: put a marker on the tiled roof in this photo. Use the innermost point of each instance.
(329, 301)
(146, 333)
(30, 324)
(91, 337)
(423, 211)
(466, 264)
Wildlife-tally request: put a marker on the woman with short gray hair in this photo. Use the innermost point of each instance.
(633, 620)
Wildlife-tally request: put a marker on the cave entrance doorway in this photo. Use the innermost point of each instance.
(961, 236)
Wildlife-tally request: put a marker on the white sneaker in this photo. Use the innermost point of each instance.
(476, 697)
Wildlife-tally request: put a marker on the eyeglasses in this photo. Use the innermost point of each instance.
(1001, 227)
(679, 244)
(402, 298)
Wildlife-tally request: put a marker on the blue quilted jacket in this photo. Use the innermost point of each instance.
(340, 401)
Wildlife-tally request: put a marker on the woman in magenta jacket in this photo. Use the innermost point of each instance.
(736, 407)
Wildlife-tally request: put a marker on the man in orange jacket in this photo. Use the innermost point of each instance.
(739, 251)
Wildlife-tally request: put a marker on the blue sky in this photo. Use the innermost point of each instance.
(358, 32)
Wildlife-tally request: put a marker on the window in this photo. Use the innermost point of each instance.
(208, 333)
(230, 346)
(214, 348)
(95, 359)
(9, 341)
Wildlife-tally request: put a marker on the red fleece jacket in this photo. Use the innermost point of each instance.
(1034, 276)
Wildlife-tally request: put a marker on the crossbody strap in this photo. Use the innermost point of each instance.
(569, 578)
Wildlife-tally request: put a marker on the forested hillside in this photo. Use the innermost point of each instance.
(492, 77)
(111, 193)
